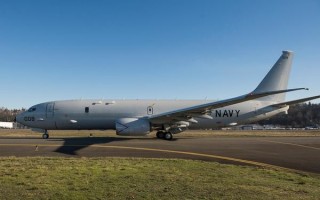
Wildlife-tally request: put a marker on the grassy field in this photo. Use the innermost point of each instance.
(124, 178)
(188, 133)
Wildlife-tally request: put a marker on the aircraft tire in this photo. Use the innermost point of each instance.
(160, 134)
(45, 136)
(168, 136)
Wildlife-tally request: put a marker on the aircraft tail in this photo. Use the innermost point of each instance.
(277, 78)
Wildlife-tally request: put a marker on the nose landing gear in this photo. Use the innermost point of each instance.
(45, 134)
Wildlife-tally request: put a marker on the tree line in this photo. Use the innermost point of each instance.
(8, 115)
(299, 116)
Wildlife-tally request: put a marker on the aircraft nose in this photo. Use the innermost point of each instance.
(18, 118)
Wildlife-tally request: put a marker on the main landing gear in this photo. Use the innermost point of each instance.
(45, 134)
(164, 135)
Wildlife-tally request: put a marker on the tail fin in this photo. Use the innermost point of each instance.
(277, 78)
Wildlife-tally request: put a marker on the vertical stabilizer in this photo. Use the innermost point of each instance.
(277, 78)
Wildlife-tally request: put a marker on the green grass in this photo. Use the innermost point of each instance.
(124, 178)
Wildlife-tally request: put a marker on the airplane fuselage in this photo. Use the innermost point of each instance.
(168, 117)
(102, 114)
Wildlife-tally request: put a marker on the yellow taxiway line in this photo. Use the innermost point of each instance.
(260, 164)
(291, 144)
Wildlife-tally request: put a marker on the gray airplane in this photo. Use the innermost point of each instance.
(167, 117)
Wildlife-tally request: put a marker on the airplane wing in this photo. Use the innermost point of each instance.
(204, 110)
(288, 103)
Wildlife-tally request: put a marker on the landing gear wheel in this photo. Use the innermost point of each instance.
(160, 135)
(168, 136)
(45, 136)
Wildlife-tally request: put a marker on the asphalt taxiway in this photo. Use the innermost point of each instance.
(291, 153)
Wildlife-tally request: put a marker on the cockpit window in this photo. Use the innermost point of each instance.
(32, 109)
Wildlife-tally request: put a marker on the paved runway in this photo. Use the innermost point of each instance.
(295, 153)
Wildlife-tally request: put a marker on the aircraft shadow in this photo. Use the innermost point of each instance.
(71, 146)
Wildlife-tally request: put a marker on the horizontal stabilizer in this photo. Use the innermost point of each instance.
(255, 95)
(288, 103)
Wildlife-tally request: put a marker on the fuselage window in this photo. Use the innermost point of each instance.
(86, 109)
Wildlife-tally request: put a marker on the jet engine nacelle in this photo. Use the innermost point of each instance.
(132, 126)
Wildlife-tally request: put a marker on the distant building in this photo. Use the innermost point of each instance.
(248, 127)
(8, 125)
(11, 125)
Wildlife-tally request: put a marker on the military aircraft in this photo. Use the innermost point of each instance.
(167, 117)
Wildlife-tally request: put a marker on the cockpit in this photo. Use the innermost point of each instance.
(33, 116)
(32, 109)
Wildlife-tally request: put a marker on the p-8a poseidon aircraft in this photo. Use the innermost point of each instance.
(167, 117)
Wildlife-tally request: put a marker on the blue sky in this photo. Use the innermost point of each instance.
(177, 49)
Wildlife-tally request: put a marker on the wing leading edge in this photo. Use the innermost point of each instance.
(203, 110)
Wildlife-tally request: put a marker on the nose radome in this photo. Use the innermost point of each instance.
(18, 118)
